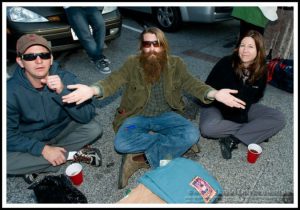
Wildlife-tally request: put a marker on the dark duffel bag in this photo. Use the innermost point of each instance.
(281, 74)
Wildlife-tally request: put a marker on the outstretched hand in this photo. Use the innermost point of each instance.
(225, 96)
(80, 94)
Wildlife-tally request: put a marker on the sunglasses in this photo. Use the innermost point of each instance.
(33, 56)
(148, 44)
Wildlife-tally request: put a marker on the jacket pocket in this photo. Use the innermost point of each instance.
(176, 89)
(135, 91)
(175, 97)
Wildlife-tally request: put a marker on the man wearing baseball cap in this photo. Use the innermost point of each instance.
(28, 40)
(42, 131)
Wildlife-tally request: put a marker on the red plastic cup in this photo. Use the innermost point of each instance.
(254, 151)
(74, 172)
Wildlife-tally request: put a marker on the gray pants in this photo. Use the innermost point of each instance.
(263, 123)
(72, 138)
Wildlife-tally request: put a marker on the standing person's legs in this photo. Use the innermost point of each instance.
(96, 20)
(166, 136)
(72, 138)
(77, 17)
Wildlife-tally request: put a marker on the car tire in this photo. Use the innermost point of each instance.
(167, 18)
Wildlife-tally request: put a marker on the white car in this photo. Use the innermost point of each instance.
(51, 23)
(170, 18)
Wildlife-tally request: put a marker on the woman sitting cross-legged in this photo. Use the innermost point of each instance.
(245, 71)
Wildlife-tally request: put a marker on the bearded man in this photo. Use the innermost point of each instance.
(149, 122)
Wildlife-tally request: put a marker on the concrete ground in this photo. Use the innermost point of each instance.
(271, 181)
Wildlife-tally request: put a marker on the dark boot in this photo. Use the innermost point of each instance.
(235, 142)
(128, 168)
(228, 144)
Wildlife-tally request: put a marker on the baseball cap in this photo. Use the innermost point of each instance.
(28, 40)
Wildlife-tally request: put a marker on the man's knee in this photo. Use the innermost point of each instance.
(120, 146)
(193, 135)
(95, 129)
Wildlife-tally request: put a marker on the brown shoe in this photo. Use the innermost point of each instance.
(195, 148)
(128, 168)
(192, 151)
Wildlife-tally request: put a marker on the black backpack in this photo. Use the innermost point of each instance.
(57, 189)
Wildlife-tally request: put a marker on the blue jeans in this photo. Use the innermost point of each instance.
(168, 135)
(79, 19)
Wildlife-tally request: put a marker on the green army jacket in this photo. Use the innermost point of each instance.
(136, 92)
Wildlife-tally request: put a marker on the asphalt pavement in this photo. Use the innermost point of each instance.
(271, 181)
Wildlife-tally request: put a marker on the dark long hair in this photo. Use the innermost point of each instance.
(258, 68)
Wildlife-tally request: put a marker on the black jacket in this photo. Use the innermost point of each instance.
(223, 76)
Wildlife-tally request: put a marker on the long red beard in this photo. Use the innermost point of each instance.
(153, 64)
